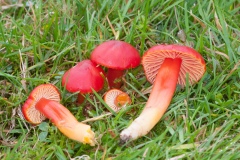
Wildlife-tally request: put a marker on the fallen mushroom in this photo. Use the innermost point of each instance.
(116, 99)
(84, 77)
(63, 119)
(43, 102)
(29, 111)
(117, 56)
(164, 66)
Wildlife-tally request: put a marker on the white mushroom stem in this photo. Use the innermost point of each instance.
(158, 102)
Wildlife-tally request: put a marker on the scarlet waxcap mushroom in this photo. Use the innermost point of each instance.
(117, 56)
(164, 66)
(43, 102)
(116, 99)
(84, 77)
(192, 62)
(48, 91)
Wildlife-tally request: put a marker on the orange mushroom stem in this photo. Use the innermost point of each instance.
(158, 102)
(65, 121)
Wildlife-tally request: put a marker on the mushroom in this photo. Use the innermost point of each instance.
(29, 111)
(43, 102)
(164, 66)
(117, 56)
(84, 77)
(116, 99)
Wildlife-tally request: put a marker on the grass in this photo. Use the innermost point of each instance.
(40, 40)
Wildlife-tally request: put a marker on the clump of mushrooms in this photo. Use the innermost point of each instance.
(117, 56)
(43, 102)
(165, 66)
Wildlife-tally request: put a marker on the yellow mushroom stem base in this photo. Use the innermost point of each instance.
(77, 131)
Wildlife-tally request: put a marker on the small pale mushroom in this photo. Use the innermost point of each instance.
(116, 99)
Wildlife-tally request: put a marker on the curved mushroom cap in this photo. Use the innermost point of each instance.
(48, 91)
(116, 99)
(192, 62)
(116, 55)
(84, 77)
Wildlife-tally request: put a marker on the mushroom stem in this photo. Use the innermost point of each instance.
(158, 102)
(80, 98)
(65, 121)
(114, 78)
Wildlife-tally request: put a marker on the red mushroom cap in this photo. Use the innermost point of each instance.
(116, 55)
(192, 62)
(31, 114)
(84, 77)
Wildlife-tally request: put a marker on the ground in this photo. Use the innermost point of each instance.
(40, 40)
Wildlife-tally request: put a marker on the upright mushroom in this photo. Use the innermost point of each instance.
(117, 56)
(43, 102)
(84, 77)
(164, 66)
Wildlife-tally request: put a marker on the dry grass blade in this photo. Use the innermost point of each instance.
(116, 34)
(23, 68)
(217, 52)
(217, 21)
(97, 118)
(5, 7)
(198, 20)
(234, 68)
